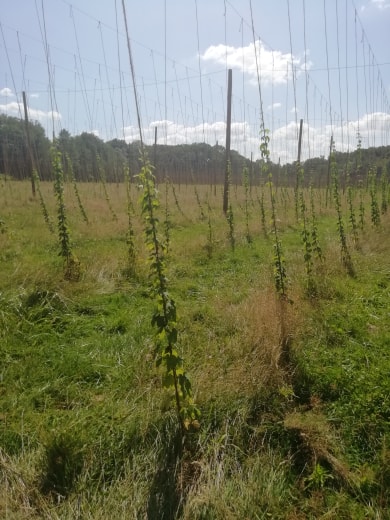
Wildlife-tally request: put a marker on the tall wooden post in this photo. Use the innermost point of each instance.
(228, 134)
(29, 149)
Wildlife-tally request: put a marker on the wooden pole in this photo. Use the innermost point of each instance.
(29, 149)
(228, 134)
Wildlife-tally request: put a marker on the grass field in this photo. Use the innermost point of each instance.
(87, 430)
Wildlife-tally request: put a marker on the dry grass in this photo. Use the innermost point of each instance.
(19, 499)
(246, 359)
(230, 334)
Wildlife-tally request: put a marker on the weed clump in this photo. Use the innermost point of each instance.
(61, 466)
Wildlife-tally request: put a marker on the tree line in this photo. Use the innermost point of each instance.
(201, 163)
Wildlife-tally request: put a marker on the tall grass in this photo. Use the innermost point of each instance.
(86, 429)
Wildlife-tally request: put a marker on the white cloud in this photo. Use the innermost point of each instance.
(34, 96)
(6, 92)
(283, 143)
(16, 109)
(381, 4)
(274, 105)
(172, 133)
(369, 126)
(316, 140)
(274, 66)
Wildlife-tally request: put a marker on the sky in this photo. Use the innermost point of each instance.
(325, 62)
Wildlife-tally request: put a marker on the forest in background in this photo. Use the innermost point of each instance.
(197, 163)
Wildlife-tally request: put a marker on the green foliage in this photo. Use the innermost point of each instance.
(318, 478)
(72, 265)
(3, 226)
(164, 316)
(352, 218)
(245, 183)
(385, 191)
(210, 234)
(167, 220)
(375, 213)
(61, 465)
(14, 155)
(69, 168)
(230, 221)
(350, 200)
(361, 206)
(87, 431)
(130, 235)
(280, 273)
(264, 149)
(262, 213)
(314, 228)
(42, 203)
(230, 213)
(102, 177)
(345, 254)
(306, 237)
(184, 162)
(346, 363)
(299, 178)
(177, 203)
(202, 215)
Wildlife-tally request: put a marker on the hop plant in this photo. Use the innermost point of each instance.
(72, 265)
(164, 318)
(345, 254)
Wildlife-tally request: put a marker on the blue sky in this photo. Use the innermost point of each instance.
(326, 62)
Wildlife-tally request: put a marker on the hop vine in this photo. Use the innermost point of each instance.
(71, 263)
(164, 318)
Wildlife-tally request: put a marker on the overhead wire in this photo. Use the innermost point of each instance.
(50, 74)
(346, 73)
(375, 95)
(365, 91)
(328, 71)
(157, 89)
(136, 100)
(107, 75)
(339, 75)
(165, 74)
(83, 84)
(292, 67)
(243, 87)
(372, 95)
(306, 78)
(120, 70)
(258, 72)
(103, 105)
(200, 69)
(358, 137)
